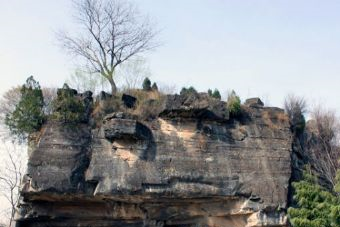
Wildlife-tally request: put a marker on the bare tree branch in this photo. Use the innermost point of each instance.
(113, 32)
(11, 172)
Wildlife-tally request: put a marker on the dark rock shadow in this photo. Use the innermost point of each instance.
(148, 154)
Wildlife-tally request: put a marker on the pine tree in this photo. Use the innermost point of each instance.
(188, 91)
(315, 205)
(147, 84)
(210, 92)
(216, 94)
(28, 115)
(154, 87)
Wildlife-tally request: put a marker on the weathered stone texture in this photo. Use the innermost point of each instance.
(179, 171)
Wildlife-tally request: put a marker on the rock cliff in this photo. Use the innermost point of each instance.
(194, 165)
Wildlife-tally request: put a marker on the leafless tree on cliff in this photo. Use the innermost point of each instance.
(49, 93)
(113, 32)
(11, 171)
(83, 81)
(8, 102)
(132, 74)
(323, 141)
(296, 108)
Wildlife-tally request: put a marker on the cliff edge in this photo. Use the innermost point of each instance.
(193, 165)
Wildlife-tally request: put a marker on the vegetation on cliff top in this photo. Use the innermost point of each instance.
(113, 32)
(28, 115)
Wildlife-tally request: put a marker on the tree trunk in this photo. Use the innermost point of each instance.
(112, 83)
(113, 87)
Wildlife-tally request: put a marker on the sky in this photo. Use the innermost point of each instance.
(259, 48)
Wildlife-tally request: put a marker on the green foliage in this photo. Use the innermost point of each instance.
(299, 125)
(28, 115)
(216, 94)
(188, 91)
(234, 104)
(66, 107)
(315, 205)
(210, 92)
(147, 84)
(337, 184)
(154, 87)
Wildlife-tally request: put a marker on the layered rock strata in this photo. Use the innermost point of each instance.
(192, 166)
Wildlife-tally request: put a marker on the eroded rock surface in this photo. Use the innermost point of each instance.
(172, 171)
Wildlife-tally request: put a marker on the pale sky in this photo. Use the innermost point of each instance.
(260, 48)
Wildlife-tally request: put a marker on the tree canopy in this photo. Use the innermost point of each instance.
(112, 33)
(316, 207)
(28, 115)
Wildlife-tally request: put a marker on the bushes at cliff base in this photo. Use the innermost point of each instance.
(315, 206)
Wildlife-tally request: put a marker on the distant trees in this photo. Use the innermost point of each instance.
(215, 94)
(188, 91)
(113, 32)
(12, 169)
(28, 115)
(146, 84)
(131, 74)
(83, 81)
(154, 86)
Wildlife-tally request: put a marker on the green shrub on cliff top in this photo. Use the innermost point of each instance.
(234, 104)
(146, 84)
(216, 94)
(66, 107)
(28, 115)
(188, 91)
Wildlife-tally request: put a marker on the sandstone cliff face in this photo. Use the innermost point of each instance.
(180, 169)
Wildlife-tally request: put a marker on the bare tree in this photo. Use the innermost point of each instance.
(8, 102)
(296, 108)
(168, 89)
(49, 93)
(84, 81)
(11, 172)
(323, 141)
(132, 74)
(113, 31)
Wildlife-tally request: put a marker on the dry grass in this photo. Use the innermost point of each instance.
(274, 120)
(148, 105)
(282, 117)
